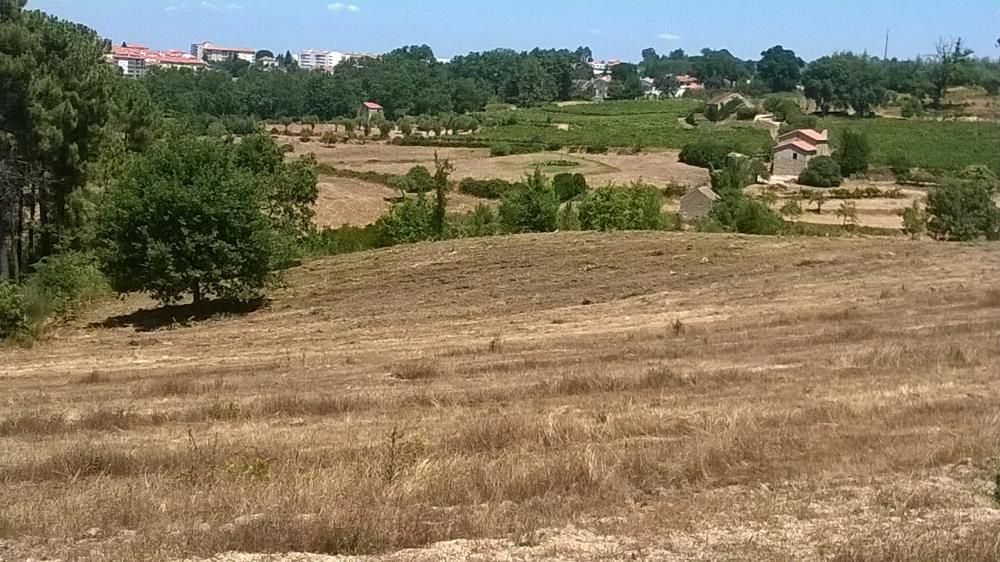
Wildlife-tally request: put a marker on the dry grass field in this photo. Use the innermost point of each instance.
(657, 396)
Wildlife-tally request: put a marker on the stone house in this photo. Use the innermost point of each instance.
(718, 103)
(696, 203)
(796, 148)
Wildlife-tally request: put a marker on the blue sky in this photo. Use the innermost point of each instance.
(613, 29)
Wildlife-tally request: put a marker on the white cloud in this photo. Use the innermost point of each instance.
(230, 7)
(342, 7)
(175, 7)
(668, 36)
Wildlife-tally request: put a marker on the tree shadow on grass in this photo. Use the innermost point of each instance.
(149, 320)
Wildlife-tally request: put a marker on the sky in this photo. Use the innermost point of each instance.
(613, 29)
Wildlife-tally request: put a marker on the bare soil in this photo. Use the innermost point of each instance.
(661, 396)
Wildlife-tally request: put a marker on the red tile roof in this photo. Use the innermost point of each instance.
(372, 105)
(797, 144)
(811, 135)
(211, 47)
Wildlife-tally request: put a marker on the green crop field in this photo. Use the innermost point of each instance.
(622, 124)
(946, 145)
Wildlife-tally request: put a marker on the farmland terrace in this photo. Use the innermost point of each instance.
(578, 396)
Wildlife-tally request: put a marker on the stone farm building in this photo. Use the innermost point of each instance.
(698, 202)
(724, 100)
(796, 148)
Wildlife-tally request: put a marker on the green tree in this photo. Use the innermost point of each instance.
(949, 60)
(854, 153)
(845, 81)
(55, 100)
(203, 216)
(409, 221)
(780, 69)
(848, 212)
(633, 207)
(962, 210)
(791, 209)
(822, 171)
(531, 206)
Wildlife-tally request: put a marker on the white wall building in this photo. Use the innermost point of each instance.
(210, 52)
(315, 59)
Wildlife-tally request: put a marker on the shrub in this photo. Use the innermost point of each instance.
(911, 106)
(287, 148)
(854, 154)
(411, 220)
(420, 179)
(706, 154)
(746, 113)
(275, 131)
(961, 210)
(914, 220)
(736, 212)
(305, 139)
(634, 207)
(343, 240)
(13, 318)
(980, 173)
(482, 221)
(822, 171)
(487, 189)
(691, 119)
(501, 149)
(569, 186)
(64, 280)
(569, 217)
(329, 137)
(597, 149)
(531, 206)
(791, 209)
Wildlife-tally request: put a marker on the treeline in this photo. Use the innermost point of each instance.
(410, 81)
(406, 81)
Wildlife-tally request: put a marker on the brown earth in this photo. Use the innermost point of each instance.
(657, 167)
(659, 396)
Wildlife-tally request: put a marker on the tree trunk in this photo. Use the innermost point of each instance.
(4, 230)
(196, 293)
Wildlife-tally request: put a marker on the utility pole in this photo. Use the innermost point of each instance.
(885, 56)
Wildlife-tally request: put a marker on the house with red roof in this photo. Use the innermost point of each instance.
(369, 110)
(136, 60)
(796, 148)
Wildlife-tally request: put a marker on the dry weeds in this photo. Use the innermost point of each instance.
(716, 399)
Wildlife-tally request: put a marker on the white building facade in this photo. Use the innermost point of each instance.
(316, 59)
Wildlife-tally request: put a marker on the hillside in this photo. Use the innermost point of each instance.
(584, 396)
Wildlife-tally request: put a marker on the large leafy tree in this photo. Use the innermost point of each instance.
(845, 81)
(780, 69)
(719, 69)
(202, 216)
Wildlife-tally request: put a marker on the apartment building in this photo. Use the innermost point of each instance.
(211, 52)
(316, 59)
(136, 60)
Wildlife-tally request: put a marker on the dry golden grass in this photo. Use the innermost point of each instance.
(583, 396)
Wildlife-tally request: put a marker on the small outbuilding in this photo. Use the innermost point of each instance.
(370, 109)
(696, 203)
(733, 100)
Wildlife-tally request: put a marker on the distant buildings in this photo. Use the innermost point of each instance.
(318, 59)
(136, 60)
(210, 52)
(687, 84)
(601, 67)
(315, 59)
